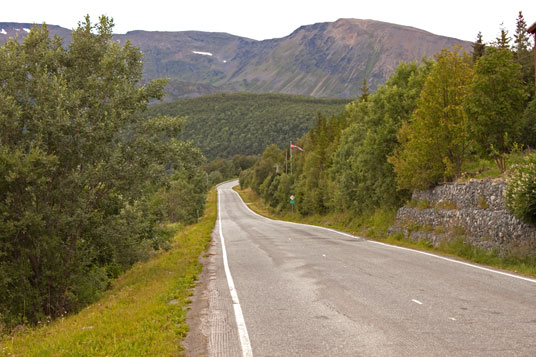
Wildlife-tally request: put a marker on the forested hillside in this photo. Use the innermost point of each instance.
(224, 125)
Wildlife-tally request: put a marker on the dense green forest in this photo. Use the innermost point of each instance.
(436, 121)
(86, 182)
(224, 125)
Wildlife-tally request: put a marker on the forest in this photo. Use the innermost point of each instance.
(456, 116)
(224, 125)
(88, 185)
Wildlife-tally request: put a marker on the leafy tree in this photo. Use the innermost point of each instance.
(183, 200)
(78, 168)
(496, 103)
(365, 179)
(528, 125)
(434, 143)
(243, 162)
(264, 170)
(313, 195)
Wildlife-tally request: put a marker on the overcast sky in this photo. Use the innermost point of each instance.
(277, 18)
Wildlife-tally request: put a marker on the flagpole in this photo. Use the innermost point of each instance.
(291, 158)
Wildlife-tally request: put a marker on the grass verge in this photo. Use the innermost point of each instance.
(143, 314)
(375, 226)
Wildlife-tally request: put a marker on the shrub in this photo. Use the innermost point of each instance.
(521, 191)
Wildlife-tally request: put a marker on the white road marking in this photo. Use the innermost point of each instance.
(457, 261)
(240, 322)
(416, 301)
(398, 247)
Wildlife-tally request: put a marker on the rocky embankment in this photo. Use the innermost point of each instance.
(473, 210)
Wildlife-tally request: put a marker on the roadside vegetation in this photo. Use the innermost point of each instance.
(143, 313)
(87, 184)
(452, 118)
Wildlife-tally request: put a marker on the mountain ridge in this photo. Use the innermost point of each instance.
(325, 59)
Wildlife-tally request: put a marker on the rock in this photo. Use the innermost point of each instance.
(491, 227)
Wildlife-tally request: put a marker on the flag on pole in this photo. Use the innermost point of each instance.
(292, 146)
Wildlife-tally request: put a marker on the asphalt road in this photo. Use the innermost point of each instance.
(308, 291)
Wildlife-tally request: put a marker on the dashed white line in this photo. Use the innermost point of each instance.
(240, 322)
(416, 301)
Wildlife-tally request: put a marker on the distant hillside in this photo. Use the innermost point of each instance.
(179, 89)
(328, 59)
(223, 125)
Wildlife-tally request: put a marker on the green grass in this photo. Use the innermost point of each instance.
(133, 318)
(486, 168)
(375, 226)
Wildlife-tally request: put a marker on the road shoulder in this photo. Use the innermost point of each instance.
(213, 330)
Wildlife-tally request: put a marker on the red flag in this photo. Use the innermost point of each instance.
(292, 146)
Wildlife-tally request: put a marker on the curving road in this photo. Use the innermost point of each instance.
(309, 291)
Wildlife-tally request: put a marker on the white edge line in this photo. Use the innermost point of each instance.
(398, 247)
(240, 322)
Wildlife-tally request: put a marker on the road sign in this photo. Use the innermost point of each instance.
(292, 197)
(291, 202)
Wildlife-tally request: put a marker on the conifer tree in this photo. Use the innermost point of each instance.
(521, 37)
(364, 91)
(503, 41)
(523, 53)
(479, 47)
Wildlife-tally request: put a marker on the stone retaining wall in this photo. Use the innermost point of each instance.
(475, 210)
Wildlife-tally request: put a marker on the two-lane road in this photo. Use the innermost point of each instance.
(308, 291)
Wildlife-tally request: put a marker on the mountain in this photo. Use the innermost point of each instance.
(13, 29)
(223, 125)
(328, 59)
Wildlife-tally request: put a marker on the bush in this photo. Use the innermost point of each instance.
(521, 191)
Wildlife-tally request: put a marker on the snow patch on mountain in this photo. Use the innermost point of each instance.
(202, 53)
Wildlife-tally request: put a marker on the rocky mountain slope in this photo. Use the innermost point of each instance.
(323, 60)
